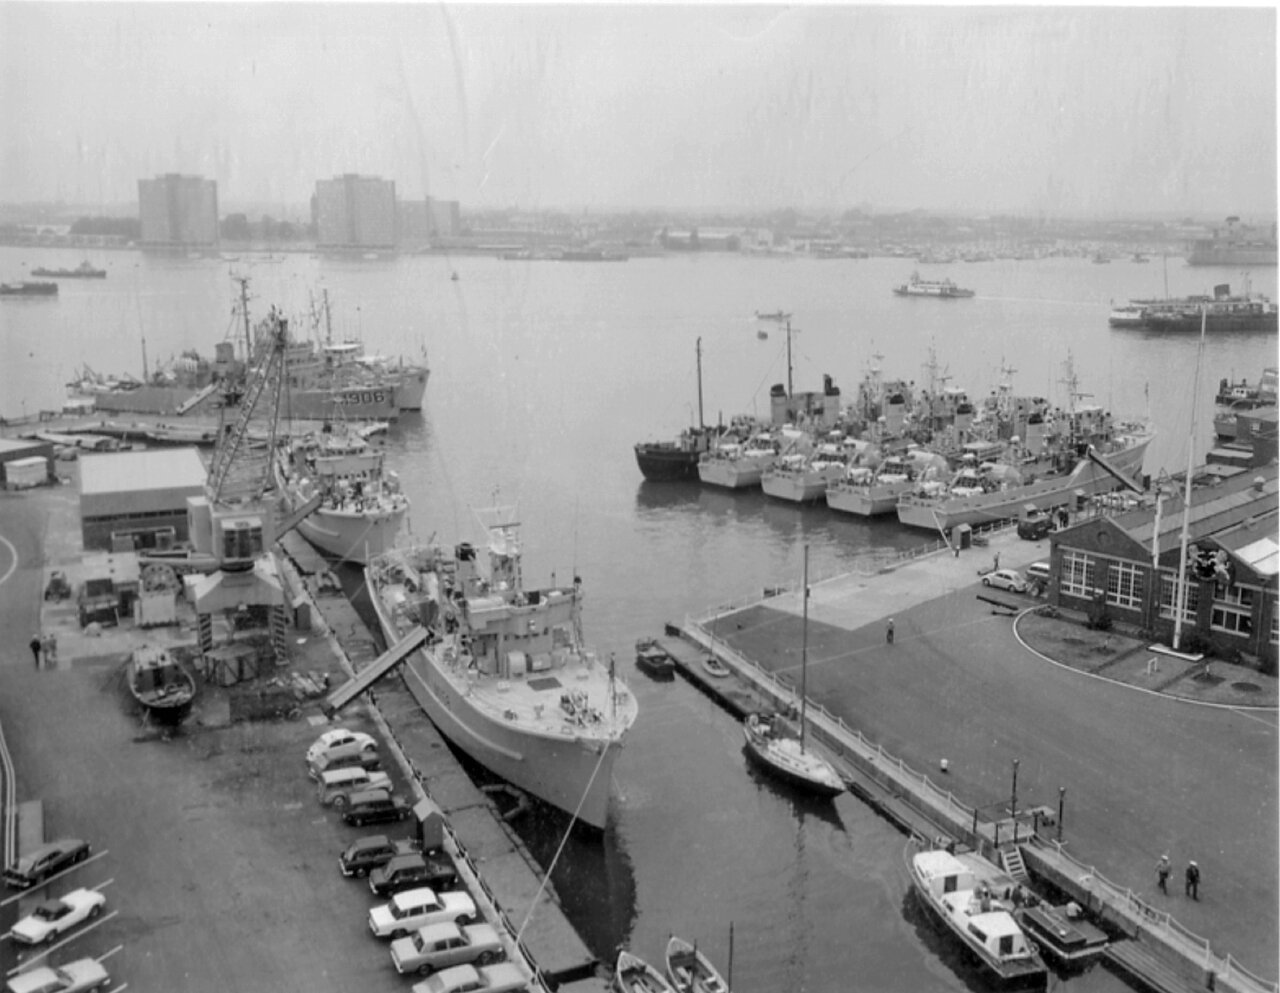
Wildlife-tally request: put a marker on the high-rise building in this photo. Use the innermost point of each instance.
(178, 212)
(354, 212)
(423, 221)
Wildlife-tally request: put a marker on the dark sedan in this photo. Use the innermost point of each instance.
(431, 869)
(47, 860)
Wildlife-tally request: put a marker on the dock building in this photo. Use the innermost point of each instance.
(178, 213)
(355, 213)
(138, 500)
(1128, 566)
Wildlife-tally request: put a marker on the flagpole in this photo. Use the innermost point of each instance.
(1186, 502)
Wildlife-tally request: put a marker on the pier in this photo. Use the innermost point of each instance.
(955, 635)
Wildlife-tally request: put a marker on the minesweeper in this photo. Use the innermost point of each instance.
(504, 674)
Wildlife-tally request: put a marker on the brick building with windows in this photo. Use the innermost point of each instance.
(1131, 563)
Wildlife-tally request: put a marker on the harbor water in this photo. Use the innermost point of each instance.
(543, 375)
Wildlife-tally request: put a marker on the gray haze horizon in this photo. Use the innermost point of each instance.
(1054, 110)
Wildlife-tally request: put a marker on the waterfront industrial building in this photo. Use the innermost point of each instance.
(1127, 566)
(178, 213)
(138, 500)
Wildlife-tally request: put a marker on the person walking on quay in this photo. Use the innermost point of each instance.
(1162, 873)
(50, 646)
(888, 632)
(995, 562)
(35, 644)
(1193, 880)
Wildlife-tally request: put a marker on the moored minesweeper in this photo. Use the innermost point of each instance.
(504, 674)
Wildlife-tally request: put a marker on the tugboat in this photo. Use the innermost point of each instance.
(161, 685)
(676, 461)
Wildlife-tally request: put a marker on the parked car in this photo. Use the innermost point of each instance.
(52, 917)
(341, 756)
(440, 946)
(1005, 579)
(337, 785)
(58, 587)
(412, 909)
(500, 978)
(365, 854)
(418, 869)
(47, 860)
(336, 738)
(1038, 572)
(74, 977)
(374, 807)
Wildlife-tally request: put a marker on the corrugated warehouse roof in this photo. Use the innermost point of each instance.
(136, 472)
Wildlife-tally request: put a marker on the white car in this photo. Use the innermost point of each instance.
(500, 978)
(52, 917)
(1005, 579)
(337, 738)
(439, 946)
(415, 909)
(74, 977)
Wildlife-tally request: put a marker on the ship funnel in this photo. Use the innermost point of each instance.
(895, 414)
(1034, 434)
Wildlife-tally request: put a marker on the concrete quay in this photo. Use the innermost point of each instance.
(1138, 762)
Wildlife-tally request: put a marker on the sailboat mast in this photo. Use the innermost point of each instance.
(701, 423)
(1186, 502)
(804, 647)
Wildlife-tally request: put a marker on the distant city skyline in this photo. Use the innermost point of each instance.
(1064, 111)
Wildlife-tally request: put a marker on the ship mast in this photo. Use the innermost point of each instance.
(244, 312)
(804, 647)
(701, 423)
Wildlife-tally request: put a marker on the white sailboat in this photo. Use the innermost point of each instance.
(775, 750)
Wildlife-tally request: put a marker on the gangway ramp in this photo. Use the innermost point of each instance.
(197, 399)
(374, 671)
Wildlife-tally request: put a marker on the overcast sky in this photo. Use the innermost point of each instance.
(1060, 110)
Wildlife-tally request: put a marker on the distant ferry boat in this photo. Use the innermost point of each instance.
(1235, 245)
(83, 271)
(1222, 312)
(943, 288)
(28, 288)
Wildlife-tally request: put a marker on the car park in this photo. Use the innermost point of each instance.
(412, 909)
(365, 854)
(404, 872)
(45, 861)
(1005, 579)
(79, 976)
(337, 738)
(354, 754)
(374, 807)
(441, 946)
(54, 917)
(337, 785)
(500, 978)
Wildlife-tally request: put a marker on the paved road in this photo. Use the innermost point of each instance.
(1143, 773)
